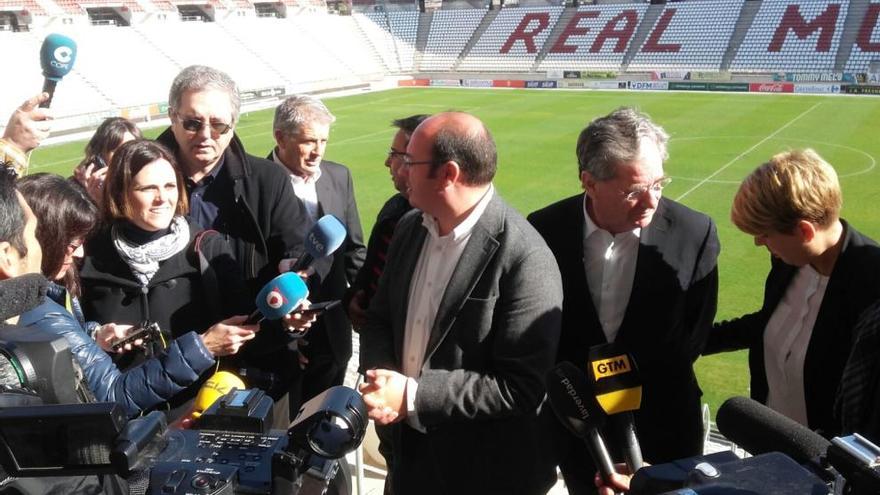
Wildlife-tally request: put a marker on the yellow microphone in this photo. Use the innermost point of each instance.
(220, 384)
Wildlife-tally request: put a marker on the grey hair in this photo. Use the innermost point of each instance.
(299, 110)
(614, 139)
(201, 77)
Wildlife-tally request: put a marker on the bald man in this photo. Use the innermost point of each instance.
(464, 325)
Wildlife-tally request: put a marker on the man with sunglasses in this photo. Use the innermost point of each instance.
(249, 199)
(639, 270)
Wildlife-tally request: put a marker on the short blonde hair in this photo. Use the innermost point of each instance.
(794, 185)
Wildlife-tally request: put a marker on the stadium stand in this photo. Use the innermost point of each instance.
(512, 41)
(596, 38)
(792, 35)
(694, 35)
(393, 36)
(866, 48)
(450, 32)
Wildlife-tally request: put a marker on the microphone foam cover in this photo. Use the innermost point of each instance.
(57, 55)
(325, 237)
(281, 295)
(220, 384)
(759, 429)
(571, 398)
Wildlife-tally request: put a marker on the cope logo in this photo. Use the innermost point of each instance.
(275, 299)
(607, 368)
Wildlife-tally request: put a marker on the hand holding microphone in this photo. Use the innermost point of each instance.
(57, 55)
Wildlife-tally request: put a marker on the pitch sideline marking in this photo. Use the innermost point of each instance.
(746, 152)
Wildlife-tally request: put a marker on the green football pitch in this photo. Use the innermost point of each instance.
(716, 140)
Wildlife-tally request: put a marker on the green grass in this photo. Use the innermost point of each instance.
(720, 137)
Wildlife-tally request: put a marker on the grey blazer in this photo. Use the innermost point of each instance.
(494, 339)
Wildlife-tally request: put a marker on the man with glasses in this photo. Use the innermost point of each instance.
(248, 199)
(302, 128)
(463, 327)
(367, 280)
(639, 270)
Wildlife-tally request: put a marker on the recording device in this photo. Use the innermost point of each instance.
(318, 309)
(570, 397)
(615, 381)
(220, 384)
(278, 298)
(789, 458)
(147, 332)
(21, 294)
(57, 55)
(99, 162)
(323, 239)
(235, 459)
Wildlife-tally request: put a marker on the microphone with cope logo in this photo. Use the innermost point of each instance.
(281, 296)
(57, 56)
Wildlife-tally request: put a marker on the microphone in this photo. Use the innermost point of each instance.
(220, 384)
(281, 296)
(56, 58)
(850, 461)
(323, 239)
(569, 395)
(615, 381)
(21, 294)
(759, 429)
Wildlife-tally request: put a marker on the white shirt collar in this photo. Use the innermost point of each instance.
(293, 177)
(465, 227)
(590, 227)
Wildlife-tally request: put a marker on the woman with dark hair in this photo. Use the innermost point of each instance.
(111, 134)
(65, 217)
(150, 263)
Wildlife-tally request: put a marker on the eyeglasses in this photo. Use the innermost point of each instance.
(637, 191)
(196, 125)
(408, 162)
(392, 153)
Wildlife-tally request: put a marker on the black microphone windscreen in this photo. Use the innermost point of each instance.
(571, 398)
(21, 294)
(759, 429)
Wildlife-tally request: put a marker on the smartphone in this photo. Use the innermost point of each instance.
(317, 308)
(99, 162)
(147, 332)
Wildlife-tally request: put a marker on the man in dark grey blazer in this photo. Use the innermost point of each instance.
(301, 129)
(639, 270)
(464, 326)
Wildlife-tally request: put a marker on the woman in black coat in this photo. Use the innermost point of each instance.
(824, 274)
(150, 264)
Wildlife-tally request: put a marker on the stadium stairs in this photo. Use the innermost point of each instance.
(642, 32)
(746, 17)
(558, 29)
(425, 21)
(478, 33)
(854, 17)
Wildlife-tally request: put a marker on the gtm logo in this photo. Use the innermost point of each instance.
(607, 368)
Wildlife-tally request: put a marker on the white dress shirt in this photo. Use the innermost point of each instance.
(610, 267)
(434, 268)
(304, 188)
(786, 339)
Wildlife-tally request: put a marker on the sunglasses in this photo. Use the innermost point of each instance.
(196, 125)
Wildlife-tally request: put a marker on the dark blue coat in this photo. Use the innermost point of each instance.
(155, 381)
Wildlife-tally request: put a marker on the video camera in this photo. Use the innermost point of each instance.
(231, 451)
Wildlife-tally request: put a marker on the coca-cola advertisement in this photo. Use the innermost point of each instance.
(774, 87)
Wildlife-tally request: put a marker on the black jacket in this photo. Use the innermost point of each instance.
(667, 320)
(267, 224)
(853, 286)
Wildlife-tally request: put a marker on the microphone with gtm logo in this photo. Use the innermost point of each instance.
(618, 390)
(57, 56)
